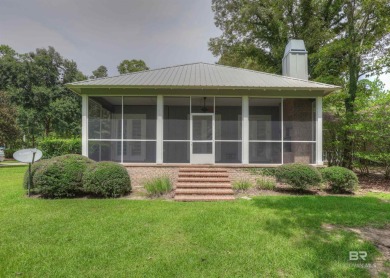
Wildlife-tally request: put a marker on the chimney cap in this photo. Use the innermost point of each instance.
(297, 46)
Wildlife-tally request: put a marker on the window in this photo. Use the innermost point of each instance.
(228, 130)
(176, 130)
(105, 128)
(139, 129)
(265, 142)
(299, 130)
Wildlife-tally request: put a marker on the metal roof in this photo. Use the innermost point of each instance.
(202, 75)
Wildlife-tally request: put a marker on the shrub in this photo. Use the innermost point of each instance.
(266, 183)
(8, 153)
(52, 147)
(34, 168)
(106, 179)
(61, 176)
(242, 185)
(340, 179)
(300, 176)
(158, 186)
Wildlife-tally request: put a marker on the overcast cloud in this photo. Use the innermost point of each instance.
(105, 32)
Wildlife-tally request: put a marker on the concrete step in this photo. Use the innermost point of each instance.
(203, 185)
(202, 170)
(204, 198)
(203, 179)
(203, 191)
(203, 174)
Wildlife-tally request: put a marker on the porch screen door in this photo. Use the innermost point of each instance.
(202, 147)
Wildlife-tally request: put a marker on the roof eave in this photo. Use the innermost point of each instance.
(327, 90)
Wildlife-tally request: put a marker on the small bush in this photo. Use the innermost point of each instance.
(242, 185)
(158, 186)
(300, 176)
(34, 168)
(340, 179)
(266, 183)
(106, 179)
(52, 147)
(61, 176)
(8, 153)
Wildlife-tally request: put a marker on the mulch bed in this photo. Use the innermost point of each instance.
(374, 182)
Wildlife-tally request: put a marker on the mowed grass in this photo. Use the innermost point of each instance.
(263, 237)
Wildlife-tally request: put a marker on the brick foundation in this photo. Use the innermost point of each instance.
(140, 174)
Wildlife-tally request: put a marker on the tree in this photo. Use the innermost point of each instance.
(100, 72)
(127, 66)
(9, 130)
(346, 40)
(44, 106)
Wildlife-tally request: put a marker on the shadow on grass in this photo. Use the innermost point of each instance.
(328, 249)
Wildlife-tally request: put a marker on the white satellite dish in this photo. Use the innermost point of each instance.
(28, 155)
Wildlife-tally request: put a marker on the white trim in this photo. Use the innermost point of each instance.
(122, 132)
(160, 129)
(319, 131)
(245, 130)
(282, 129)
(84, 125)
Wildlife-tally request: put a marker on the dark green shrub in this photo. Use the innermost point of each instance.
(300, 176)
(106, 179)
(61, 176)
(8, 153)
(34, 168)
(242, 185)
(52, 147)
(158, 186)
(340, 179)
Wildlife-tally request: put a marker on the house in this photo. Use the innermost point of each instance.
(205, 114)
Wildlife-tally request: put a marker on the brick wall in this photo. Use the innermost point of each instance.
(140, 174)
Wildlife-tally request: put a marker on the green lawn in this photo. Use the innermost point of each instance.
(275, 236)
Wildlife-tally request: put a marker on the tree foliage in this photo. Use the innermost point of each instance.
(128, 66)
(101, 71)
(9, 130)
(35, 82)
(346, 40)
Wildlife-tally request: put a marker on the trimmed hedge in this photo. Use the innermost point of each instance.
(340, 179)
(61, 177)
(106, 179)
(34, 168)
(300, 176)
(52, 147)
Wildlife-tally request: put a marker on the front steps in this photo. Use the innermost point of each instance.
(203, 184)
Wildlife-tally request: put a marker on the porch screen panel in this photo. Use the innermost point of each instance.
(299, 130)
(139, 129)
(228, 130)
(176, 130)
(105, 128)
(265, 130)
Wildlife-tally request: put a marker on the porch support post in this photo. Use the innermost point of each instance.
(160, 124)
(84, 125)
(245, 130)
(319, 131)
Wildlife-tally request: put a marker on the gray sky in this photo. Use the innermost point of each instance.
(105, 32)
